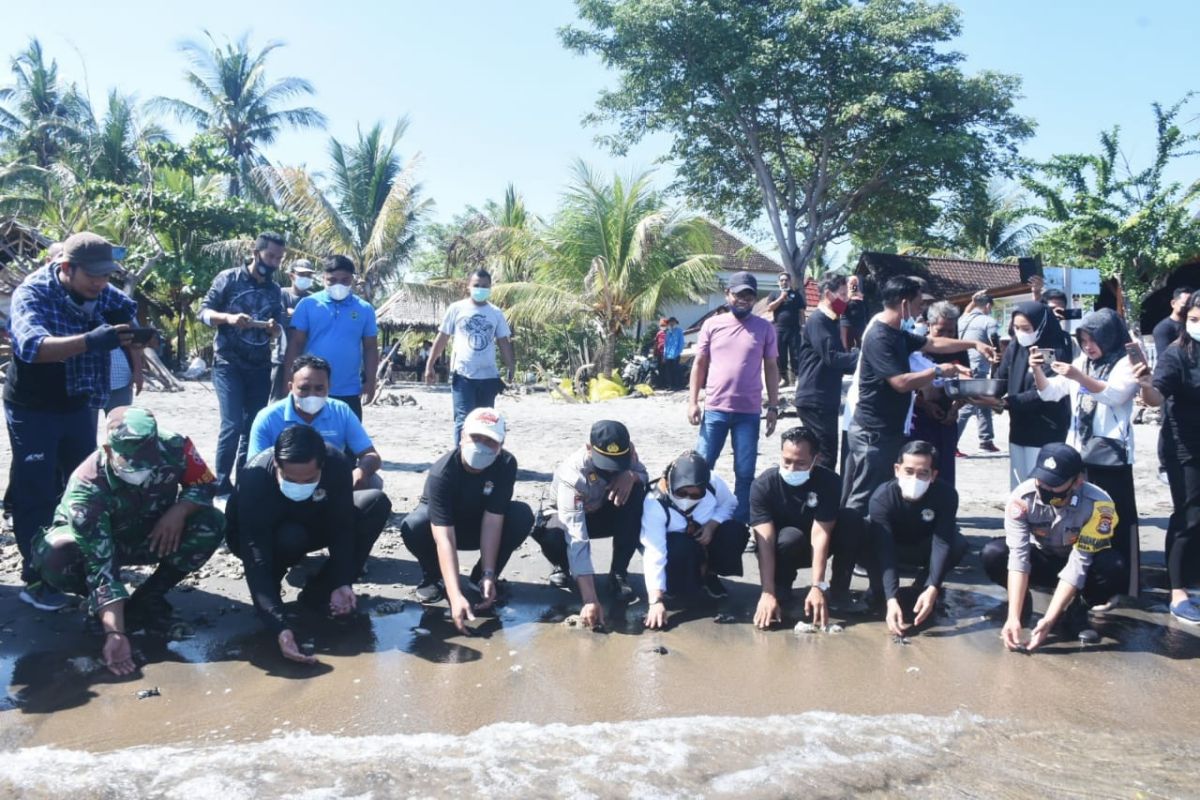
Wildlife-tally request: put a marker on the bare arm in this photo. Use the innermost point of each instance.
(435, 352)
(764, 537)
(508, 356)
(771, 371)
(489, 539)
(296, 341)
(447, 550)
(59, 348)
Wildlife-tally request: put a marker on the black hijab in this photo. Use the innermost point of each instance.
(1050, 334)
(1109, 331)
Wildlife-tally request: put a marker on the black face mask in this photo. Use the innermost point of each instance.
(607, 474)
(265, 270)
(1053, 498)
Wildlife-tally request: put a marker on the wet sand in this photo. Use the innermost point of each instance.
(399, 669)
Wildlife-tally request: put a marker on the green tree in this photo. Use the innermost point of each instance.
(1132, 223)
(822, 114)
(114, 147)
(45, 116)
(237, 102)
(615, 256)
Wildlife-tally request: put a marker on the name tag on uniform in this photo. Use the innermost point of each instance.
(812, 501)
(927, 514)
(487, 489)
(318, 495)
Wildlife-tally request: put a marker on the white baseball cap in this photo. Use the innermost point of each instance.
(485, 421)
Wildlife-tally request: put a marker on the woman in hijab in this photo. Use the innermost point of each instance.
(1101, 385)
(1033, 422)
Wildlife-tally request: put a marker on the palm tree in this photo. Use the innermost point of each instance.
(371, 211)
(990, 223)
(616, 256)
(44, 115)
(237, 102)
(118, 136)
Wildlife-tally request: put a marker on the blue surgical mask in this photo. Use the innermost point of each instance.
(908, 324)
(302, 283)
(480, 294)
(795, 477)
(297, 492)
(1193, 330)
(920, 329)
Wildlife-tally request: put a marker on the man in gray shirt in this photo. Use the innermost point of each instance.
(978, 325)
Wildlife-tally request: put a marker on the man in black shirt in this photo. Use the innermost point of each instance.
(886, 386)
(794, 513)
(787, 305)
(820, 365)
(467, 505)
(913, 522)
(292, 500)
(1170, 327)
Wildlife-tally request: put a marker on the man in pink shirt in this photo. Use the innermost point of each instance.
(733, 353)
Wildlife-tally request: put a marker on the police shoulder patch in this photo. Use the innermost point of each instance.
(1017, 508)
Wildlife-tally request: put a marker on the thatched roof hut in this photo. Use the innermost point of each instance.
(411, 309)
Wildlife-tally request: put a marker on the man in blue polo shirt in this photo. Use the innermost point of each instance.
(309, 403)
(340, 328)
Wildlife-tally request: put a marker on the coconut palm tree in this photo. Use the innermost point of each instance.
(237, 102)
(990, 223)
(615, 256)
(44, 116)
(119, 135)
(370, 212)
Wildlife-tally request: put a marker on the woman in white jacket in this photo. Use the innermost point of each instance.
(1101, 384)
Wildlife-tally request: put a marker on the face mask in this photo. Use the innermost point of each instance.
(479, 456)
(1193, 330)
(741, 313)
(920, 329)
(135, 477)
(794, 477)
(907, 324)
(480, 294)
(838, 306)
(1052, 498)
(1027, 339)
(338, 291)
(685, 504)
(303, 284)
(912, 487)
(311, 404)
(606, 474)
(265, 270)
(297, 492)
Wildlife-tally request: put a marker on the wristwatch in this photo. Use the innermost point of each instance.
(823, 586)
(488, 573)
(772, 408)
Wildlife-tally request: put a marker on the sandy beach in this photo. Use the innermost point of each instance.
(402, 705)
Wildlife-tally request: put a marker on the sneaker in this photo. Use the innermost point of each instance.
(44, 597)
(1186, 611)
(989, 447)
(560, 578)
(430, 591)
(713, 586)
(620, 586)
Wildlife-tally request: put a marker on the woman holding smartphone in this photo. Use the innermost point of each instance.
(1177, 378)
(1101, 385)
(1033, 422)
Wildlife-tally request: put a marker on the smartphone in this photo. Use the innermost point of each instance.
(1073, 313)
(1134, 351)
(1049, 356)
(144, 335)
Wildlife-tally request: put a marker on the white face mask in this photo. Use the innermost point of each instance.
(1026, 339)
(137, 477)
(297, 492)
(1193, 330)
(912, 487)
(339, 291)
(303, 283)
(685, 504)
(311, 404)
(794, 477)
(479, 456)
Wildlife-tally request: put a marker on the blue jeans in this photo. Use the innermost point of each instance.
(241, 393)
(47, 446)
(743, 429)
(469, 394)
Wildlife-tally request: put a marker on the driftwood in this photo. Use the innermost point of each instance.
(156, 370)
(379, 373)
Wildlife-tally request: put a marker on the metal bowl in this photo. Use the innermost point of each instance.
(963, 388)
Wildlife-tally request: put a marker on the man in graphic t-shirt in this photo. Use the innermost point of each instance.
(477, 327)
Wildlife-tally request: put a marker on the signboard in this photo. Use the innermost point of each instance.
(1083, 281)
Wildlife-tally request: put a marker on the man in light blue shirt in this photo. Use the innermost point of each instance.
(340, 328)
(308, 403)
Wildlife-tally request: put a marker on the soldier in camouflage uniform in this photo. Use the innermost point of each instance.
(145, 497)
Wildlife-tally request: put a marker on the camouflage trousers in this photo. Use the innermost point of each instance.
(62, 555)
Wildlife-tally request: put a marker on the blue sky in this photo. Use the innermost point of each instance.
(493, 97)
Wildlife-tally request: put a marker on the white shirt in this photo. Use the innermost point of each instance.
(1114, 405)
(475, 329)
(717, 505)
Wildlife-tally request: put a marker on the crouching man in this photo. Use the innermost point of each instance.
(913, 522)
(145, 497)
(793, 513)
(291, 500)
(689, 535)
(467, 505)
(599, 493)
(1058, 532)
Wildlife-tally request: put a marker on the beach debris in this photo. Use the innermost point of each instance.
(657, 649)
(421, 631)
(572, 621)
(388, 607)
(1088, 636)
(803, 627)
(913, 670)
(515, 668)
(180, 631)
(144, 693)
(833, 627)
(900, 640)
(723, 619)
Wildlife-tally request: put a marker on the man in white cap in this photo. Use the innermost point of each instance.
(467, 505)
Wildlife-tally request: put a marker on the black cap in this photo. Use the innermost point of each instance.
(610, 446)
(90, 252)
(690, 469)
(1057, 464)
(741, 281)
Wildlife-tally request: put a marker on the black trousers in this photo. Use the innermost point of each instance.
(417, 532)
(687, 559)
(294, 540)
(919, 554)
(1183, 528)
(1106, 577)
(1118, 482)
(352, 400)
(622, 524)
(793, 552)
(824, 423)
(789, 349)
